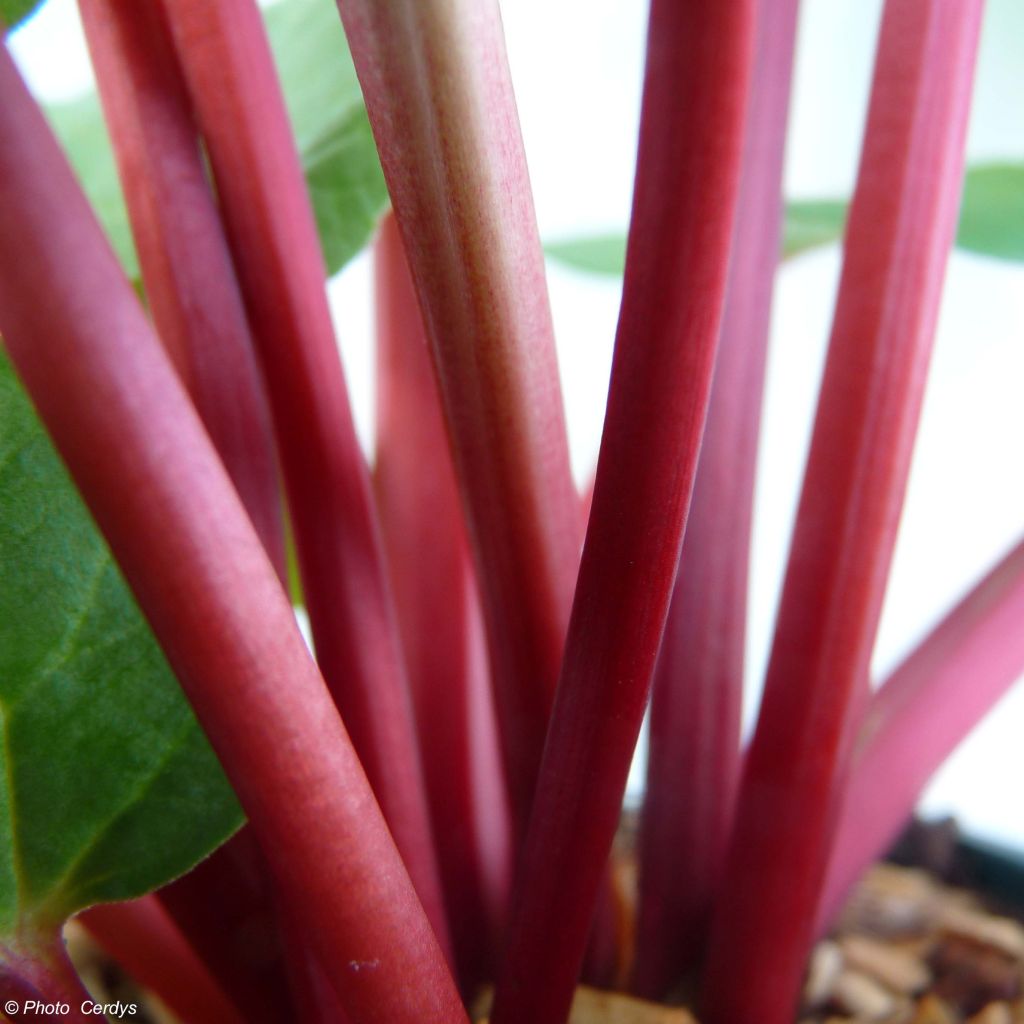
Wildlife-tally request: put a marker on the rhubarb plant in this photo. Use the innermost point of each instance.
(419, 804)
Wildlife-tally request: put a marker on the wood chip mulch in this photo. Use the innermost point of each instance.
(908, 950)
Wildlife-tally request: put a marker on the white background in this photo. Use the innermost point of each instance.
(577, 68)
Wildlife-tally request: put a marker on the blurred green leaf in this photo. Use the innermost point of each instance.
(333, 135)
(809, 224)
(991, 223)
(13, 12)
(992, 217)
(599, 254)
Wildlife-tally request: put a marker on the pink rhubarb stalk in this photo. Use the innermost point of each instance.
(920, 713)
(143, 939)
(900, 229)
(198, 310)
(314, 995)
(186, 267)
(230, 73)
(437, 88)
(698, 64)
(442, 631)
(693, 764)
(130, 436)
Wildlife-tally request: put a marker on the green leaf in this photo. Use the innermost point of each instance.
(811, 223)
(346, 185)
(13, 12)
(992, 217)
(338, 154)
(991, 223)
(600, 254)
(109, 787)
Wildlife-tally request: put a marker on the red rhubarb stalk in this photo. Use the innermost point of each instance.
(315, 997)
(437, 88)
(693, 764)
(230, 73)
(143, 939)
(129, 434)
(920, 713)
(439, 617)
(698, 62)
(199, 314)
(186, 266)
(225, 907)
(900, 229)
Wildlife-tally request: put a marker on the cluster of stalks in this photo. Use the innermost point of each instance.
(432, 801)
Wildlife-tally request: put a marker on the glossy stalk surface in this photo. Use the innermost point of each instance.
(900, 229)
(688, 167)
